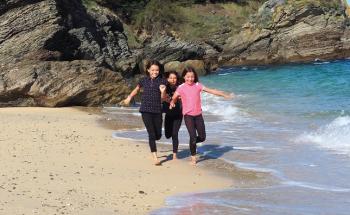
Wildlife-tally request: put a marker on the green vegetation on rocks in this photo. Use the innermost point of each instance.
(188, 20)
(191, 21)
(158, 16)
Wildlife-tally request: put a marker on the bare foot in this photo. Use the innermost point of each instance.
(193, 160)
(157, 163)
(174, 156)
(155, 159)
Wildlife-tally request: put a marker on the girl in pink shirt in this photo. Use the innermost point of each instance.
(190, 93)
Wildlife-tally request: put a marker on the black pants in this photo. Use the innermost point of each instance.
(153, 123)
(196, 130)
(172, 124)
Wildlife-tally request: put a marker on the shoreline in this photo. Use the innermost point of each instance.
(240, 177)
(218, 166)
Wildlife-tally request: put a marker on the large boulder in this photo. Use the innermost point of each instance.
(172, 66)
(198, 65)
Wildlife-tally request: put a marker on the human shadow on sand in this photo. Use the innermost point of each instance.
(205, 152)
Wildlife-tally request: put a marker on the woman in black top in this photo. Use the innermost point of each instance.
(173, 117)
(153, 91)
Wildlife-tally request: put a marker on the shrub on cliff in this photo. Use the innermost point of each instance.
(158, 16)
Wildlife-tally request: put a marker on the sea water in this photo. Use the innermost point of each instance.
(292, 121)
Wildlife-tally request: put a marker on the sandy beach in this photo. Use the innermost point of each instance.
(60, 161)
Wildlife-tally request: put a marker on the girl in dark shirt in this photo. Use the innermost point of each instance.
(154, 87)
(173, 117)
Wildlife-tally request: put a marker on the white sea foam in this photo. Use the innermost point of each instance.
(221, 107)
(316, 186)
(122, 110)
(334, 136)
(320, 63)
(223, 74)
(255, 148)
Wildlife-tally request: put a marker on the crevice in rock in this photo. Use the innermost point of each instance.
(214, 45)
(76, 100)
(64, 43)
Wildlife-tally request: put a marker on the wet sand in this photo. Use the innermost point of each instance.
(59, 161)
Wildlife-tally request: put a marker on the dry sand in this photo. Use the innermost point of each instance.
(59, 161)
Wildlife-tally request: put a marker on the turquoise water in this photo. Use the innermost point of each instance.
(298, 91)
(292, 121)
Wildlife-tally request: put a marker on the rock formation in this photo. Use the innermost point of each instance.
(284, 33)
(55, 53)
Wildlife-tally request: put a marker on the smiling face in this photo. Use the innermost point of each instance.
(189, 78)
(172, 79)
(153, 71)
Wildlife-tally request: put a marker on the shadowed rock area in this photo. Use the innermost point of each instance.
(55, 53)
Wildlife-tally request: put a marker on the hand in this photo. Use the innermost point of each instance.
(229, 96)
(172, 105)
(126, 101)
(167, 99)
(162, 88)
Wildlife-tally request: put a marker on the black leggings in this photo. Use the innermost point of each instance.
(196, 130)
(153, 123)
(172, 126)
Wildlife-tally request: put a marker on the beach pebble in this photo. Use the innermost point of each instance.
(142, 192)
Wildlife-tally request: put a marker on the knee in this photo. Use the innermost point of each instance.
(193, 141)
(175, 134)
(200, 139)
(158, 134)
(152, 136)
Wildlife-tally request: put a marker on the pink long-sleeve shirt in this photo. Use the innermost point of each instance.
(191, 98)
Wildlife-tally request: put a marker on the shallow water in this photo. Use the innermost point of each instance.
(292, 121)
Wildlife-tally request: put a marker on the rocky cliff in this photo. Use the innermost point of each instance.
(283, 32)
(58, 53)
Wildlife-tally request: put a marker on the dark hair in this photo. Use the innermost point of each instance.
(154, 62)
(187, 70)
(167, 74)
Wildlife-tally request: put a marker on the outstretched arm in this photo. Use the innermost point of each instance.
(174, 100)
(219, 93)
(131, 95)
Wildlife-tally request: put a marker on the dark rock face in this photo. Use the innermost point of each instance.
(283, 34)
(60, 30)
(58, 38)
